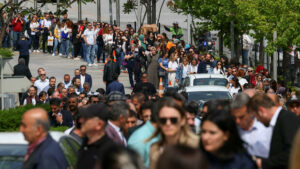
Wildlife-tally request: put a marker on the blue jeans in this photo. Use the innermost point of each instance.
(55, 44)
(120, 60)
(16, 36)
(64, 47)
(5, 41)
(165, 81)
(35, 42)
(245, 57)
(84, 51)
(90, 54)
(11, 37)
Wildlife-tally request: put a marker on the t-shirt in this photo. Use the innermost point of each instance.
(164, 62)
(185, 71)
(90, 36)
(172, 65)
(46, 23)
(34, 25)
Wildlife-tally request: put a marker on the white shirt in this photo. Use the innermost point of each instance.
(47, 23)
(233, 91)
(257, 139)
(34, 25)
(82, 80)
(274, 118)
(67, 85)
(242, 81)
(185, 71)
(172, 65)
(109, 39)
(193, 69)
(41, 85)
(118, 130)
(218, 71)
(90, 36)
(33, 101)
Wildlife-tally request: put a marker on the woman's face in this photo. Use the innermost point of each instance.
(219, 64)
(170, 121)
(212, 137)
(194, 63)
(185, 62)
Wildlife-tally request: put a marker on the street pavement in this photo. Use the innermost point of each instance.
(57, 66)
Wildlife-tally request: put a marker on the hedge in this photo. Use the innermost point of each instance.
(10, 120)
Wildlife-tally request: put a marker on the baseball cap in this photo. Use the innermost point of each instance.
(95, 110)
(116, 96)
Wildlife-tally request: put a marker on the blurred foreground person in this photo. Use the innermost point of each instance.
(222, 144)
(182, 157)
(172, 128)
(295, 155)
(93, 122)
(284, 126)
(119, 157)
(43, 152)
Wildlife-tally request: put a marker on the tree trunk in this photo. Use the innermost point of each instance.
(220, 44)
(153, 18)
(159, 13)
(148, 9)
(261, 52)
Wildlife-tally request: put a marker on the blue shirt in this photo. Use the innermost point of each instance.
(257, 139)
(137, 141)
(164, 62)
(115, 86)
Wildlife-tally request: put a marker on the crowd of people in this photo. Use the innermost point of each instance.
(255, 129)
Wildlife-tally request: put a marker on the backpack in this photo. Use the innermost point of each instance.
(64, 35)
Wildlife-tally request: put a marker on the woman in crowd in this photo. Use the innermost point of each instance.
(182, 71)
(222, 144)
(172, 128)
(69, 25)
(193, 67)
(35, 33)
(56, 40)
(151, 39)
(65, 40)
(234, 86)
(219, 68)
(172, 67)
(163, 68)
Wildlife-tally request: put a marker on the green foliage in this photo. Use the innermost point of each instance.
(10, 120)
(61, 128)
(129, 6)
(6, 53)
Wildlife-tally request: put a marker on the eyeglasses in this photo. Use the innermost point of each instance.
(43, 74)
(173, 120)
(82, 69)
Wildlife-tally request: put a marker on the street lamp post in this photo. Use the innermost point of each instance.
(110, 12)
(99, 10)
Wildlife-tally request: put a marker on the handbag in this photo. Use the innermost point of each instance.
(161, 73)
(50, 41)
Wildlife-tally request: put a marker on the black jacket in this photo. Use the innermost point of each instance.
(48, 155)
(284, 131)
(22, 70)
(111, 72)
(67, 119)
(89, 154)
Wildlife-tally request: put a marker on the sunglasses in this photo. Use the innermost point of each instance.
(173, 120)
(82, 69)
(43, 74)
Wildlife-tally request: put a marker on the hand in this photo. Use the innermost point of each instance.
(59, 118)
(259, 163)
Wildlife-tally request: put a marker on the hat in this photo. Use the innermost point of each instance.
(95, 110)
(175, 23)
(116, 96)
(250, 69)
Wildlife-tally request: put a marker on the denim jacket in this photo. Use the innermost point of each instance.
(179, 73)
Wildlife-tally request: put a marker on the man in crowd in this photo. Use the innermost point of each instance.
(175, 30)
(21, 69)
(57, 116)
(17, 27)
(76, 85)
(145, 86)
(117, 121)
(84, 77)
(43, 151)
(73, 104)
(90, 41)
(45, 25)
(294, 106)
(52, 83)
(250, 130)
(43, 83)
(93, 122)
(23, 46)
(284, 126)
(32, 98)
(67, 81)
(111, 70)
(115, 85)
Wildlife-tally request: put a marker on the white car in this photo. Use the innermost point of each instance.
(206, 93)
(13, 148)
(205, 79)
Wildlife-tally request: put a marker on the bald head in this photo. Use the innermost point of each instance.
(35, 125)
(250, 92)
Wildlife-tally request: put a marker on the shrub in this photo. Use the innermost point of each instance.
(10, 120)
(6, 53)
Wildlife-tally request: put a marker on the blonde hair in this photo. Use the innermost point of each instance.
(295, 153)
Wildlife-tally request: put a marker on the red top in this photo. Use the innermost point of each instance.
(17, 26)
(100, 32)
(80, 28)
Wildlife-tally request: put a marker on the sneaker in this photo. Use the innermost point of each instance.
(95, 64)
(60, 54)
(69, 57)
(89, 64)
(76, 58)
(53, 54)
(37, 51)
